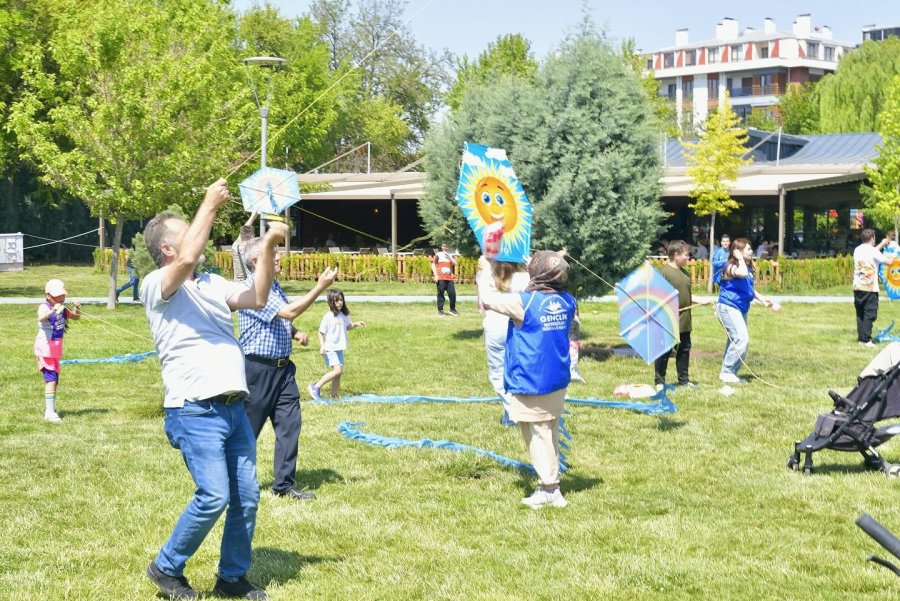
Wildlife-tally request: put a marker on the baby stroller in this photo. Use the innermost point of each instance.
(851, 424)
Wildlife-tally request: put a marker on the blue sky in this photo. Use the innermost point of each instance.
(467, 26)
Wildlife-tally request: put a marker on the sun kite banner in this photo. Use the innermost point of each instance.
(890, 271)
(489, 192)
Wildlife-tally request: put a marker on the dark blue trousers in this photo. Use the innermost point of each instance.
(274, 396)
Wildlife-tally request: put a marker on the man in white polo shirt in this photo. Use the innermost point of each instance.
(205, 388)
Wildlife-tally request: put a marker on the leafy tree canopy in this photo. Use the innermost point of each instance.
(851, 98)
(510, 55)
(883, 193)
(582, 140)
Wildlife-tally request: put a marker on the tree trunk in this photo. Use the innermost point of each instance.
(712, 243)
(111, 300)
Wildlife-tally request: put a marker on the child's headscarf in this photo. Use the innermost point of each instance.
(548, 270)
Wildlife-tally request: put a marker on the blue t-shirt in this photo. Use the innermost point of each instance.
(737, 292)
(537, 353)
(719, 259)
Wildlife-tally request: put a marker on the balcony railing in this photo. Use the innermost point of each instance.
(768, 90)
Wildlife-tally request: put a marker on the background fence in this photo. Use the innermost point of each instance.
(783, 275)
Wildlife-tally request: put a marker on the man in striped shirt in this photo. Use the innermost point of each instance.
(266, 336)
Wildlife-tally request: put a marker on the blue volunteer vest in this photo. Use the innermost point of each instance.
(537, 354)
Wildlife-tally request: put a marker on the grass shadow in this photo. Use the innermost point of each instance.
(664, 424)
(311, 479)
(280, 567)
(467, 334)
(602, 353)
(79, 412)
(569, 482)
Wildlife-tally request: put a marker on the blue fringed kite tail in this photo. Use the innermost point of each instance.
(661, 403)
(885, 335)
(351, 431)
(129, 358)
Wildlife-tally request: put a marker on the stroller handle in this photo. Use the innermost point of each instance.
(882, 535)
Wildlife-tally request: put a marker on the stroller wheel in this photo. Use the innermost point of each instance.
(871, 462)
(793, 464)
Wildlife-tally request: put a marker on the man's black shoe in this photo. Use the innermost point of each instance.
(173, 587)
(297, 495)
(240, 589)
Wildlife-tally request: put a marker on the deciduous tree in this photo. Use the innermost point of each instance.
(130, 106)
(713, 164)
(883, 193)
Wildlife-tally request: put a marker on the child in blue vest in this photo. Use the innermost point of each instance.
(536, 365)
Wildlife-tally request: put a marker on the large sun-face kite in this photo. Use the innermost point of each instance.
(890, 272)
(490, 193)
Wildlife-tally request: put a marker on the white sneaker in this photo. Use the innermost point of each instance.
(53, 418)
(540, 497)
(574, 376)
(315, 392)
(732, 379)
(868, 344)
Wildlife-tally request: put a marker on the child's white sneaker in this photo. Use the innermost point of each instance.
(53, 417)
(540, 497)
(315, 392)
(731, 379)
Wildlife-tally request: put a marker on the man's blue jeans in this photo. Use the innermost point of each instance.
(735, 324)
(219, 449)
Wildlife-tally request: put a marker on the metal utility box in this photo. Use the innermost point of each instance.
(12, 253)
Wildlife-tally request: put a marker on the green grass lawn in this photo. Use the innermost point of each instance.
(695, 505)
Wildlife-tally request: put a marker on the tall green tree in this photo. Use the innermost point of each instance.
(851, 98)
(663, 107)
(583, 142)
(130, 106)
(799, 110)
(399, 83)
(883, 193)
(509, 54)
(713, 163)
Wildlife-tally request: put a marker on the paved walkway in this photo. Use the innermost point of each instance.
(431, 299)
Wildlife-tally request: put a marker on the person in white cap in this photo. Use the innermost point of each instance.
(53, 320)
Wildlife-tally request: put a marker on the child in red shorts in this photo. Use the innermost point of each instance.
(53, 319)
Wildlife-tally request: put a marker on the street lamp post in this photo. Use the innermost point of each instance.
(269, 64)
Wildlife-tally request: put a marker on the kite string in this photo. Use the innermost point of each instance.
(649, 314)
(331, 87)
(60, 240)
(110, 324)
(731, 340)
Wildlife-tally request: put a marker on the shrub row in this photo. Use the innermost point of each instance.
(784, 275)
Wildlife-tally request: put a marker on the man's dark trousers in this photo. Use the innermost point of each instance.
(450, 288)
(866, 304)
(682, 361)
(274, 395)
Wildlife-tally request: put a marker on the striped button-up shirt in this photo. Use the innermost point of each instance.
(263, 333)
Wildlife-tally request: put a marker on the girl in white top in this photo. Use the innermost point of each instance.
(498, 276)
(333, 343)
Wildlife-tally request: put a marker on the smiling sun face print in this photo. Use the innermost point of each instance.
(495, 203)
(489, 192)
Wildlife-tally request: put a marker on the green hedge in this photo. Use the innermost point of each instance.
(783, 276)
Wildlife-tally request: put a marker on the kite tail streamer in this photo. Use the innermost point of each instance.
(351, 431)
(662, 404)
(885, 335)
(128, 358)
